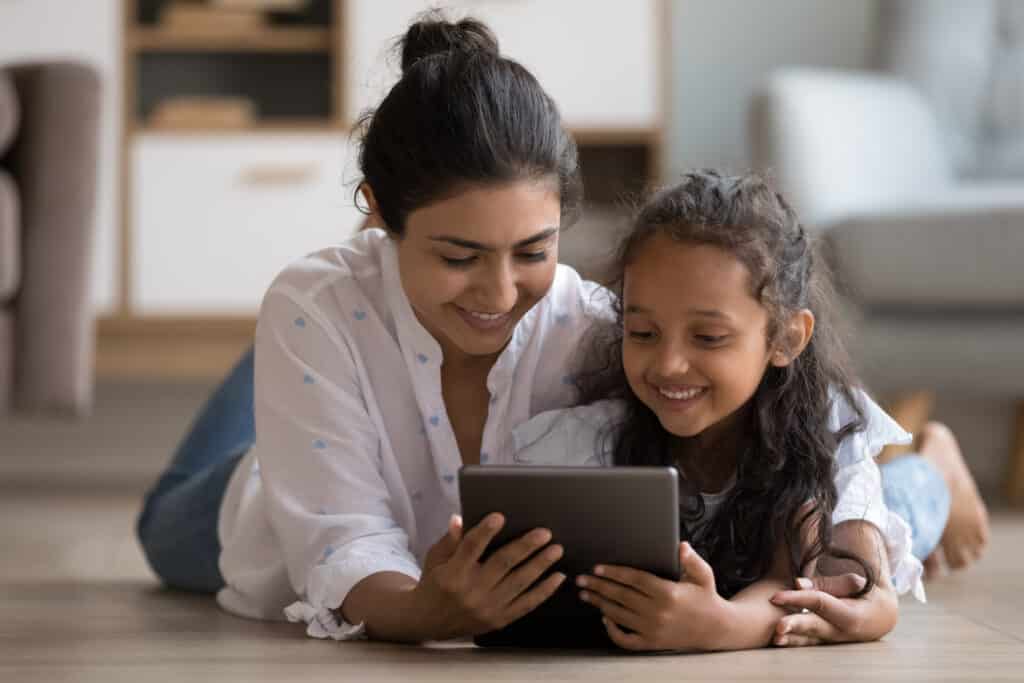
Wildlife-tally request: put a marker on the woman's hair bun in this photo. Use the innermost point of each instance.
(432, 34)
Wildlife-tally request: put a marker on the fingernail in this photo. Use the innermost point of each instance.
(804, 583)
(561, 578)
(599, 570)
(494, 521)
(581, 581)
(775, 600)
(584, 596)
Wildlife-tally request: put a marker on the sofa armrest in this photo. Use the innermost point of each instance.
(839, 141)
(956, 251)
(55, 163)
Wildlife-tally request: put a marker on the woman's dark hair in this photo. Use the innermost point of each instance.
(784, 480)
(461, 114)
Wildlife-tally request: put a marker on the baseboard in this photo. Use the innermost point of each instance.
(169, 348)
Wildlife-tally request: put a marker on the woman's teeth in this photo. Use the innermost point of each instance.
(683, 395)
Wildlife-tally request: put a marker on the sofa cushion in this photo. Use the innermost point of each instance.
(10, 242)
(6, 358)
(10, 112)
(959, 251)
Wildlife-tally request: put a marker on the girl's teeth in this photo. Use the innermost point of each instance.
(485, 316)
(681, 395)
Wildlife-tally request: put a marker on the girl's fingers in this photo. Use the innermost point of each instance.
(614, 611)
(695, 569)
(627, 596)
(794, 640)
(644, 582)
(808, 625)
(829, 608)
(627, 641)
(842, 586)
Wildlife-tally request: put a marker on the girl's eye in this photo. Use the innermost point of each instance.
(711, 339)
(458, 262)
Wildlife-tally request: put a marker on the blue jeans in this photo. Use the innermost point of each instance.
(177, 527)
(178, 524)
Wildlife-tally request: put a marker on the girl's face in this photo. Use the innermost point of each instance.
(474, 264)
(694, 346)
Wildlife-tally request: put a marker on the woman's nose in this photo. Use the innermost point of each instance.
(501, 290)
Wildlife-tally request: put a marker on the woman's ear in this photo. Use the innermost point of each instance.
(373, 219)
(794, 339)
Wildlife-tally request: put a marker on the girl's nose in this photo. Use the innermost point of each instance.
(671, 361)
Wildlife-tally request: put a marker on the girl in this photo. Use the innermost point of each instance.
(722, 362)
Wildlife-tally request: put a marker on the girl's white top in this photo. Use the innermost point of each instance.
(579, 436)
(354, 470)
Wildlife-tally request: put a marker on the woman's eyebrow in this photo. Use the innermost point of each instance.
(469, 244)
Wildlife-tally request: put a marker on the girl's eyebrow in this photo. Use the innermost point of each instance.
(469, 244)
(702, 312)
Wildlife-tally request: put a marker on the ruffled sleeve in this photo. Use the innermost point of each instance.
(580, 436)
(859, 485)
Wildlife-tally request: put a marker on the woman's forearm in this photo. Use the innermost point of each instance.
(390, 609)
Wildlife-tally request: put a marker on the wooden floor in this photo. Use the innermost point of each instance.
(77, 603)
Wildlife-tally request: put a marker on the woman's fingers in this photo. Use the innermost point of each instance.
(695, 569)
(794, 640)
(794, 627)
(519, 580)
(530, 600)
(843, 615)
(512, 554)
(474, 542)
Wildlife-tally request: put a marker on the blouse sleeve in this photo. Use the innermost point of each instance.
(318, 453)
(859, 487)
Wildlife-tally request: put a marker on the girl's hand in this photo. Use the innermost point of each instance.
(460, 596)
(831, 615)
(662, 614)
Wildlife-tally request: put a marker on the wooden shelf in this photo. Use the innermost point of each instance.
(259, 127)
(147, 39)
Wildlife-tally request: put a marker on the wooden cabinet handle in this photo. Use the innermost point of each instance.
(277, 175)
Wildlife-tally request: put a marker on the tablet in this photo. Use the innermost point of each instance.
(601, 515)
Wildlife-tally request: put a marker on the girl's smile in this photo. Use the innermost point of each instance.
(695, 341)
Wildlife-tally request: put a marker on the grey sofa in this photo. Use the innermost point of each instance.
(49, 123)
(915, 174)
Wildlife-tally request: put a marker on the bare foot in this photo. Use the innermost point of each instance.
(967, 532)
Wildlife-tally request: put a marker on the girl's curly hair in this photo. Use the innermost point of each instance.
(785, 488)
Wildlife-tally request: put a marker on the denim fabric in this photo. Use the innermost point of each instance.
(915, 490)
(178, 524)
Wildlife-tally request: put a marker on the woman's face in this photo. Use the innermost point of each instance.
(472, 265)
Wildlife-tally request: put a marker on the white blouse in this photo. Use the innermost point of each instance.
(580, 436)
(355, 463)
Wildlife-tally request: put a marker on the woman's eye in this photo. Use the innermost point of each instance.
(458, 262)
(641, 335)
(534, 256)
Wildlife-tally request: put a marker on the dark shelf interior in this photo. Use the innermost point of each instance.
(317, 13)
(283, 86)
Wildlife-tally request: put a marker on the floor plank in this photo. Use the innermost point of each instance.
(77, 603)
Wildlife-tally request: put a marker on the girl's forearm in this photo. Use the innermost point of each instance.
(748, 620)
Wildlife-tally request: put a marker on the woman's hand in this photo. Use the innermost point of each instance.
(832, 616)
(662, 614)
(460, 596)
